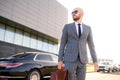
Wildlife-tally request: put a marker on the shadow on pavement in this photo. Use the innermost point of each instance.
(46, 79)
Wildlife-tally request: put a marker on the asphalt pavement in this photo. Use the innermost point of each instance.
(103, 76)
(100, 76)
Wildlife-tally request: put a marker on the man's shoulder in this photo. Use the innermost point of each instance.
(86, 26)
(69, 24)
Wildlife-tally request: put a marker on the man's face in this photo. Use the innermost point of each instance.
(76, 14)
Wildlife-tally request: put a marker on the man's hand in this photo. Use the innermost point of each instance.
(96, 67)
(60, 65)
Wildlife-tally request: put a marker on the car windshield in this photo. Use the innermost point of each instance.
(17, 56)
(105, 63)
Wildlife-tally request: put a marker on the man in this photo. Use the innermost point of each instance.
(73, 52)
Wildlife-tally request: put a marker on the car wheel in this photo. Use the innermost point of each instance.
(103, 70)
(34, 75)
(109, 70)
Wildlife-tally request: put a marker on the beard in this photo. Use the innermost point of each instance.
(76, 18)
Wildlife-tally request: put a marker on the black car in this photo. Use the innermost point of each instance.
(28, 65)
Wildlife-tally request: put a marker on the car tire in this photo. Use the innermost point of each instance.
(34, 75)
(98, 70)
(109, 71)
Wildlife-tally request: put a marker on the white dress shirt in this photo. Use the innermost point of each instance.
(76, 25)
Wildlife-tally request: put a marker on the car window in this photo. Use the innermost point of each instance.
(43, 57)
(54, 58)
(17, 56)
(105, 63)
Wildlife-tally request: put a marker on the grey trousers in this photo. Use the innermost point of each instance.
(76, 70)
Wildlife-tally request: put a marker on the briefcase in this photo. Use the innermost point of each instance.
(59, 75)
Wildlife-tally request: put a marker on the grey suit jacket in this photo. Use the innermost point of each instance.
(71, 45)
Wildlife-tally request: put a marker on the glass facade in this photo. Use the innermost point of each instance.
(26, 39)
(2, 32)
(9, 34)
(33, 41)
(20, 37)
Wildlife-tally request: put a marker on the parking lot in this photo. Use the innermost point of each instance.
(103, 76)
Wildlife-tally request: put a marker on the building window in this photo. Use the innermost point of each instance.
(26, 39)
(33, 41)
(2, 32)
(18, 37)
(39, 43)
(9, 34)
(45, 45)
(55, 48)
(50, 49)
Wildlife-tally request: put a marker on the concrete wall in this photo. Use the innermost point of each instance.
(45, 16)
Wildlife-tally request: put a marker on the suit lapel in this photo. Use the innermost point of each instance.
(84, 30)
(74, 30)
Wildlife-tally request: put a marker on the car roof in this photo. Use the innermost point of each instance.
(32, 53)
(37, 53)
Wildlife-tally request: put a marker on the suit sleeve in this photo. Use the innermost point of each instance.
(63, 43)
(91, 46)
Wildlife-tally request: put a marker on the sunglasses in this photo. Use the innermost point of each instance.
(75, 12)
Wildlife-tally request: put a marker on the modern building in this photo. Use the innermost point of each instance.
(31, 25)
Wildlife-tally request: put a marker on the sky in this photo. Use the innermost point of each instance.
(103, 16)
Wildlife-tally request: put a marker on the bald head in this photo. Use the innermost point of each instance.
(79, 10)
(77, 14)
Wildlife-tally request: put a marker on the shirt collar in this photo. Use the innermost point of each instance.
(78, 23)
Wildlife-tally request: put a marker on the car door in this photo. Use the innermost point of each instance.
(48, 65)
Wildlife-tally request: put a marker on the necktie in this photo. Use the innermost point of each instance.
(79, 30)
